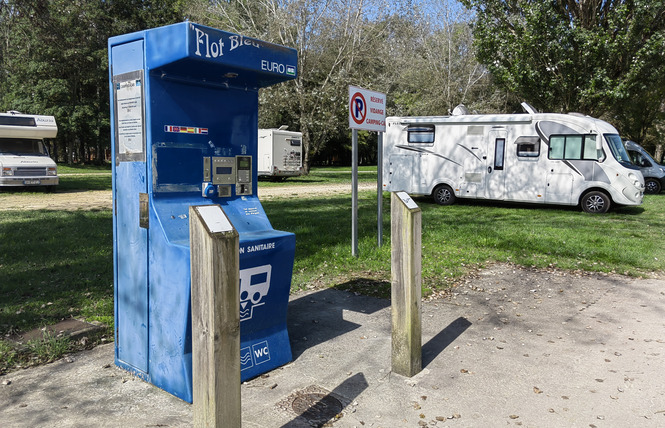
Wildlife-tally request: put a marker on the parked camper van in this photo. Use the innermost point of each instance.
(279, 153)
(654, 173)
(24, 160)
(547, 158)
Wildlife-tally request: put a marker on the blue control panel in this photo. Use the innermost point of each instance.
(184, 119)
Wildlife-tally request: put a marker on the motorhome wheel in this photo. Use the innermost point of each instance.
(596, 202)
(443, 195)
(651, 185)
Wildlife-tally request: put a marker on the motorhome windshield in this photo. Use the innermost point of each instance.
(22, 146)
(618, 150)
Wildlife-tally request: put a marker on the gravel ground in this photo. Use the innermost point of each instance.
(507, 346)
(510, 347)
(101, 199)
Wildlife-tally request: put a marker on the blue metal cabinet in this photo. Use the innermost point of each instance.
(184, 113)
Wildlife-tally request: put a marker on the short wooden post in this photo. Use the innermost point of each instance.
(215, 281)
(406, 293)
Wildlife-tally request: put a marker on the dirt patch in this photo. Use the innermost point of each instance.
(311, 191)
(84, 200)
(101, 199)
(72, 328)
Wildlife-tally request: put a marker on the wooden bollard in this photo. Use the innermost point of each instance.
(215, 282)
(406, 293)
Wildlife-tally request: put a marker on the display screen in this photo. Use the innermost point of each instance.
(177, 166)
(244, 163)
(223, 170)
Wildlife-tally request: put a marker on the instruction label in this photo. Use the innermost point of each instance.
(129, 113)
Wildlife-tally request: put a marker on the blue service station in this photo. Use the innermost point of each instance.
(184, 128)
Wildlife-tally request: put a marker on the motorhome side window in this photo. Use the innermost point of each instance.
(420, 134)
(528, 147)
(499, 145)
(573, 147)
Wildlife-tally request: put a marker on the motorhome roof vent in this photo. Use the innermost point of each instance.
(460, 110)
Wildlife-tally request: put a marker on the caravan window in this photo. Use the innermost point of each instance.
(499, 151)
(17, 121)
(590, 150)
(556, 147)
(528, 147)
(573, 147)
(22, 146)
(420, 134)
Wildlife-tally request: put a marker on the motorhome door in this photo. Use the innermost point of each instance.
(495, 179)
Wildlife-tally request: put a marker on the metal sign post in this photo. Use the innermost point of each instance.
(379, 190)
(354, 193)
(367, 111)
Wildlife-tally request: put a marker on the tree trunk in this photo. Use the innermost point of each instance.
(83, 152)
(304, 128)
(53, 150)
(658, 156)
(70, 151)
(99, 152)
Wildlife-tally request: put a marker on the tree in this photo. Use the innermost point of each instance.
(432, 57)
(599, 57)
(425, 67)
(334, 40)
(54, 61)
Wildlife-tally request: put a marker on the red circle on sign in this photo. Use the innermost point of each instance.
(358, 107)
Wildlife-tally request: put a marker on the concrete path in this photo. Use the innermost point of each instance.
(511, 347)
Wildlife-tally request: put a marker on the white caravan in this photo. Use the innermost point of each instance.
(24, 160)
(548, 158)
(279, 153)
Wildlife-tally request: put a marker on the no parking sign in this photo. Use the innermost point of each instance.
(367, 109)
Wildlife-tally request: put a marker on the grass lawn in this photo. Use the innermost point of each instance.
(324, 175)
(84, 169)
(53, 265)
(58, 264)
(468, 235)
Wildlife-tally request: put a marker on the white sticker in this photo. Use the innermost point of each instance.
(215, 219)
(410, 203)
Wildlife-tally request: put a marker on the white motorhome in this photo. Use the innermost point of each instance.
(24, 160)
(548, 158)
(279, 153)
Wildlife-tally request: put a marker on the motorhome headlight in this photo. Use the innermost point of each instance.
(633, 177)
(7, 171)
(51, 171)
